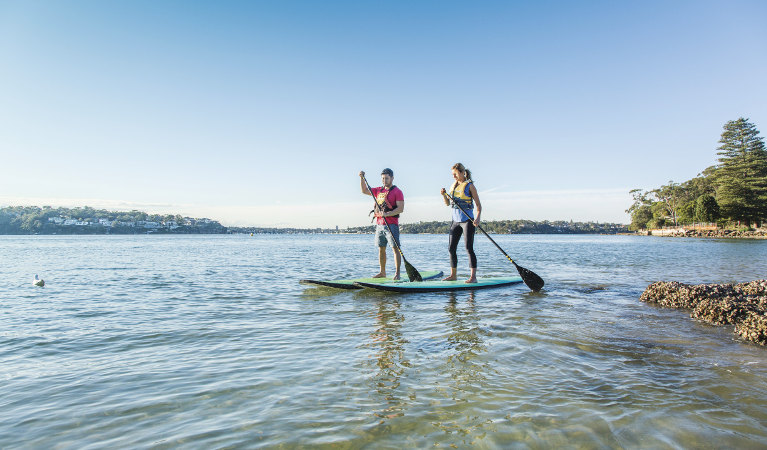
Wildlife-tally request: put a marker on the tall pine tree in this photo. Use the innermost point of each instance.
(741, 175)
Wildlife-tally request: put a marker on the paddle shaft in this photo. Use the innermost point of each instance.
(394, 239)
(481, 229)
(416, 274)
(531, 279)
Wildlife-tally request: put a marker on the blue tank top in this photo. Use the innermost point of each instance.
(462, 196)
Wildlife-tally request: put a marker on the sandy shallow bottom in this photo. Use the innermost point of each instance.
(209, 341)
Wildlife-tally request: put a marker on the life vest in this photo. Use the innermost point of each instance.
(462, 196)
(382, 199)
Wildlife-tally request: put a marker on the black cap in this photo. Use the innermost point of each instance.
(387, 171)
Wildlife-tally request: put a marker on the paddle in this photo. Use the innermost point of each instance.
(412, 273)
(531, 279)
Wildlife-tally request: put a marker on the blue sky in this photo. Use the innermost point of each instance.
(263, 113)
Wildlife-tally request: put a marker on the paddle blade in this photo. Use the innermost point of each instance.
(412, 274)
(531, 279)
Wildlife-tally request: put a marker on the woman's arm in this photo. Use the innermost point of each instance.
(445, 197)
(475, 196)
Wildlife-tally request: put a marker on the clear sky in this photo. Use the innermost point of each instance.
(263, 113)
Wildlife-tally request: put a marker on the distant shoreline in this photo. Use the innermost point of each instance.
(306, 231)
(35, 220)
(719, 234)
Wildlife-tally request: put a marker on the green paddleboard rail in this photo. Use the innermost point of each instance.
(350, 284)
(442, 286)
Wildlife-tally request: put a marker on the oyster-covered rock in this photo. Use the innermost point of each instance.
(743, 305)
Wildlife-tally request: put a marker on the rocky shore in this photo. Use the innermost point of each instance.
(743, 305)
(721, 233)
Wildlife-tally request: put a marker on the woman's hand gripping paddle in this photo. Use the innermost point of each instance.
(531, 279)
(412, 273)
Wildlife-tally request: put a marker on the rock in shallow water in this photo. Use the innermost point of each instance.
(743, 305)
(754, 327)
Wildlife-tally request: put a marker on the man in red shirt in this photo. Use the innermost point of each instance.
(390, 202)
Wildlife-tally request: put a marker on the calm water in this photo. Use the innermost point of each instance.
(210, 342)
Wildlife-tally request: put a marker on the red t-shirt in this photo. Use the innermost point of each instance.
(391, 197)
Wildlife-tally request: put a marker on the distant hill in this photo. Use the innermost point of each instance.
(87, 220)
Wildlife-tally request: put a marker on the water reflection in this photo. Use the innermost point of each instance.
(465, 337)
(465, 370)
(388, 361)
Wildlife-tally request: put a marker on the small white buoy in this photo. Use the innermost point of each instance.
(38, 281)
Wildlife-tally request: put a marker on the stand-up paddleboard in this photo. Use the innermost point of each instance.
(442, 286)
(349, 284)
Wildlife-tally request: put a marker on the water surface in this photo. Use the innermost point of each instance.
(209, 341)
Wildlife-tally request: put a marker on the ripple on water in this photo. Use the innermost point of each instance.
(151, 341)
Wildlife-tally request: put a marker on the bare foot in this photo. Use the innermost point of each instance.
(380, 275)
(471, 280)
(450, 278)
(396, 277)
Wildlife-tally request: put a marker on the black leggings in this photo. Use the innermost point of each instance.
(456, 230)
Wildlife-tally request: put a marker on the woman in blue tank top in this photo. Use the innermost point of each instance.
(465, 195)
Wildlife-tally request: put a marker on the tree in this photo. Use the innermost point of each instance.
(659, 214)
(672, 198)
(700, 185)
(640, 218)
(706, 209)
(641, 198)
(687, 213)
(30, 224)
(741, 175)
(640, 210)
